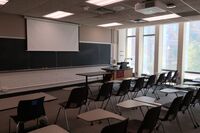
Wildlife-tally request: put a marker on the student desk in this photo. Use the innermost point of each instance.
(92, 74)
(50, 129)
(12, 102)
(148, 100)
(99, 114)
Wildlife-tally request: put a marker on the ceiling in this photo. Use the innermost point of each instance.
(88, 14)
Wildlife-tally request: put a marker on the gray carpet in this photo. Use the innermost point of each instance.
(80, 126)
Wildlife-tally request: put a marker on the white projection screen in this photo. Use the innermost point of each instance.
(46, 35)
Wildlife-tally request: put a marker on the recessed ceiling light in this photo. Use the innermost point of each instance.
(162, 17)
(3, 2)
(103, 2)
(58, 14)
(171, 5)
(110, 24)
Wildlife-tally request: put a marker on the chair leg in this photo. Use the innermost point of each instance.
(162, 127)
(79, 111)
(197, 124)
(193, 122)
(9, 126)
(66, 120)
(57, 115)
(179, 125)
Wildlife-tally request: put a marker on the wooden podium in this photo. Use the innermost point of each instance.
(119, 73)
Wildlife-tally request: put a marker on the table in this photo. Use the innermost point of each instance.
(50, 129)
(99, 114)
(92, 74)
(12, 102)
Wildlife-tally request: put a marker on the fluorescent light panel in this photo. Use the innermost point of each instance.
(162, 17)
(58, 14)
(3, 2)
(110, 24)
(103, 2)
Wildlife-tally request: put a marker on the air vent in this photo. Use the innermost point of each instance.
(104, 11)
(187, 14)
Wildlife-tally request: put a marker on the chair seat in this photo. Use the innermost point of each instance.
(15, 118)
(167, 105)
(133, 126)
(162, 115)
(63, 104)
(93, 97)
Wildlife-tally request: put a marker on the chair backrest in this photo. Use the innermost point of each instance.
(124, 87)
(150, 120)
(150, 81)
(175, 76)
(168, 77)
(77, 98)
(105, 91)
(196, 98)
(173, 109)
(186, 100)
(107, 77)
(138, 85)
(120, 127)
(30, 109)
(160, 79)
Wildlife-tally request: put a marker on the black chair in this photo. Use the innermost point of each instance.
(185, 106)
(104, 94)
(174, 77)
(168, 77)
(195, 100)
(171, 113)
(148, 124)
(137, 87)
(120, 127)
(159, 84)
(77, 98)
(28, 110)
(149, 84)
(123, 90)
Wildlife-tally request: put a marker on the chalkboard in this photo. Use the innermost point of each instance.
(14, 56)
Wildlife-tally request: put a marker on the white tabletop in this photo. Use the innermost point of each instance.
(129, 104)
(169, 90)
(147, 99)
(12, 102)
(181, 86)
(50, 129)
(99, 114)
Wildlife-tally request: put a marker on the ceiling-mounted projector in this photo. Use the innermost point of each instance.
(150, 7)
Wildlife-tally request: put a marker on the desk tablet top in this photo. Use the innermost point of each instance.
(129, 104)
(50, 129)
(99, 114)
(12, 102)
(146, 99)
(90, 74)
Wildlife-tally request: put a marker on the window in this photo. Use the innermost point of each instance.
(130, 47)
(170, 46)
(192, 49)
(148, 50)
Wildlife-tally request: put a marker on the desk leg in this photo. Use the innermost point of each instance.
(86, 84)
